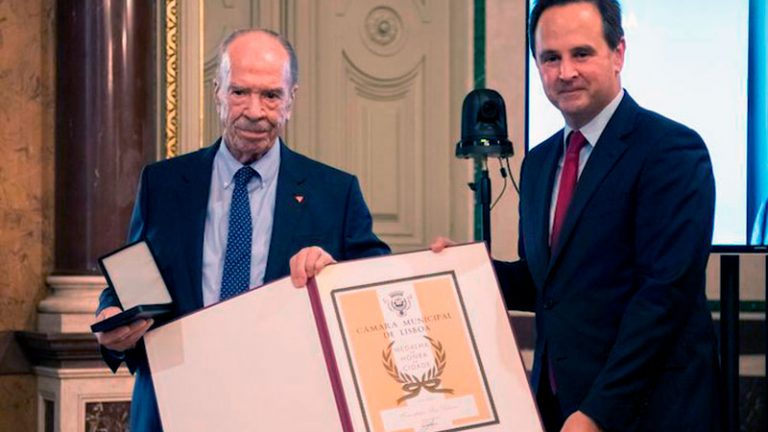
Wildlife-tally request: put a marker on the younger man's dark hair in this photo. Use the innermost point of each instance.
(610, 11)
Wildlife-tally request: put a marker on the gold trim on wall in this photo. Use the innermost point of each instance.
(171, 72)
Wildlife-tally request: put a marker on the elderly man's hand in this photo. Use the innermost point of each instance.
(307, 263)
(441, 243)
(124, 337)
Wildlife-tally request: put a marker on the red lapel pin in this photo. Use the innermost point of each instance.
(299, 198)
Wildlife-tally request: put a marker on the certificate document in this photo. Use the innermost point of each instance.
(413, 342)
(413, 355)
(422, 342)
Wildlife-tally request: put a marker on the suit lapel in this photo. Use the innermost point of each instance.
(289, 199)
(607, 151)
(192, 201)
(544, 178)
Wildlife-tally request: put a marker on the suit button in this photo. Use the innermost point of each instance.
(548, 303)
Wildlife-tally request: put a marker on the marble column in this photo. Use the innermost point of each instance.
(106, 130)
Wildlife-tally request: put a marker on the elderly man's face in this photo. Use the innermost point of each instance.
(254, 95)
(578, 69)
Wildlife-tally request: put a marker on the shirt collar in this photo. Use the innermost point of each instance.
(266, 167)
(595, 127)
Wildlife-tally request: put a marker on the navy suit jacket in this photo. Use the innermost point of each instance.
(620, 301)
(170, 212)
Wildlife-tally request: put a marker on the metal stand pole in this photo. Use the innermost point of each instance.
(485, 201)
(729, 338)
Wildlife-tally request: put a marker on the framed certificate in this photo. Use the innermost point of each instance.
(414, 342)
(422, 342)
(413, 355)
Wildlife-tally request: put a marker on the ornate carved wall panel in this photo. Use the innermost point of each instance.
(387, 76)
(107, 416)
(383, 120)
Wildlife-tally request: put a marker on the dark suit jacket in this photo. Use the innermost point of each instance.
(170, 212)
(620, 302)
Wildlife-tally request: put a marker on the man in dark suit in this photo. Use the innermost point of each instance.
(230, 216)
(616, 218)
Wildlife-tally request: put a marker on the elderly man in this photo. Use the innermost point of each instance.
(228, 217)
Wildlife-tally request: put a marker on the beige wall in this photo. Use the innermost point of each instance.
(505, 72)
(26, 183)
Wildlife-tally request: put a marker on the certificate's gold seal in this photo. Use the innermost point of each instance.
(412, 384)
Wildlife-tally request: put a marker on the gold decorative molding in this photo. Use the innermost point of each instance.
(171, 74)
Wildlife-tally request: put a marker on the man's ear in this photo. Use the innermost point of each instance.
(289, 102)
(216, 99)
(618, 55)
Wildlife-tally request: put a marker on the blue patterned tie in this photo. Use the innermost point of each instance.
(236, 276)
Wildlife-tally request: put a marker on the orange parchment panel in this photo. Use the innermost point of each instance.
(438, 326)
(365, 329)
(437, 298)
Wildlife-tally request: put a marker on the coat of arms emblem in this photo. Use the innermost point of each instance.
(398, 302)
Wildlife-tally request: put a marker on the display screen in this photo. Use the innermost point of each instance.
(691, 61)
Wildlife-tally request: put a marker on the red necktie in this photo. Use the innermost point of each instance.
(576, 142)
(568, 177)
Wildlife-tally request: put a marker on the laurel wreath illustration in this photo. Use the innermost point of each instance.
(412, 384)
